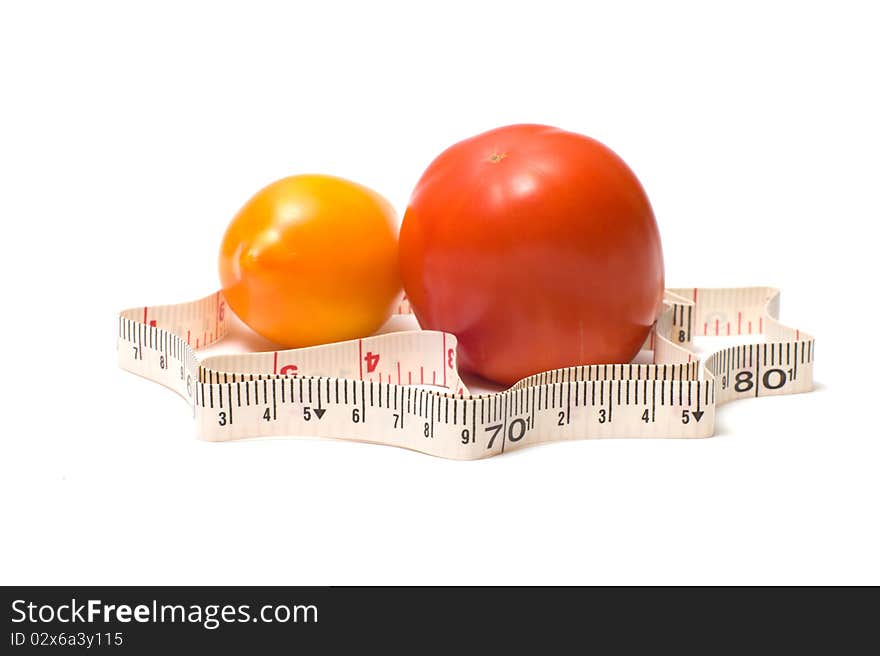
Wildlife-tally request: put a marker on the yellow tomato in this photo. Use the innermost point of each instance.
(312, 259)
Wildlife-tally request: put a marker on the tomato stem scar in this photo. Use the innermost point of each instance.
(497, 157)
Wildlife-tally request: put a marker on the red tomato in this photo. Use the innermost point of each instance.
(537, 248)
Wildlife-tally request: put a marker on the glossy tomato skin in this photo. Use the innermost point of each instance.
(312, 259)
(537, 248)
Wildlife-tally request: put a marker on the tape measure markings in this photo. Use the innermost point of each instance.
(316, 391)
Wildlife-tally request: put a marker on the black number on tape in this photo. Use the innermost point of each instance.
(494, 430)
(743, 381)
(516, 430)
(773, 378)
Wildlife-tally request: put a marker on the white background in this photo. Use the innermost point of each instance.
(131, 133)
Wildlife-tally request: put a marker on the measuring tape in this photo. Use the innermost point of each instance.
(369, 389)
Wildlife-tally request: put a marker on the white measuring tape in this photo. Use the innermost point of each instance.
(365, 389)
